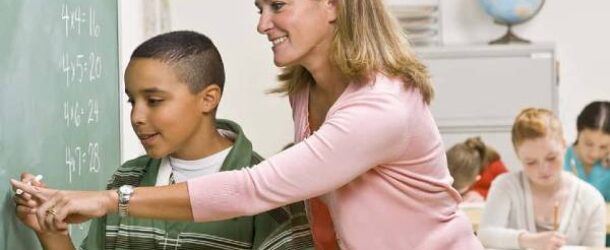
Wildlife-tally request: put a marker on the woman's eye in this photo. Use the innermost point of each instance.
(275, 6)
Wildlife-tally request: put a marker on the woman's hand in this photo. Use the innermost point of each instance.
(550, 240)
(56, 208)
(25, 204)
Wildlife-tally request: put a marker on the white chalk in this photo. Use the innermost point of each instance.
(37, 178)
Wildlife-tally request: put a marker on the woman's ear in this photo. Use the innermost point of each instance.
(331, 8)
(209, 98)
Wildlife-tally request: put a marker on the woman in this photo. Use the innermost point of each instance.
(589, 156)
(541, 206)
(368, 144)
(474, 165)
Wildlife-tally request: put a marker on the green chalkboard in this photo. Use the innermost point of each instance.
(59, 100)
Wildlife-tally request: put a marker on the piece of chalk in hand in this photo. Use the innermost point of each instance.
(37, 178)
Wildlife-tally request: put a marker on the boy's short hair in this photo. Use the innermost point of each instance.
(534, 123)
(193, 57)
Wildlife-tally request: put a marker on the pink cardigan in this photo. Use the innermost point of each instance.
(377, 161)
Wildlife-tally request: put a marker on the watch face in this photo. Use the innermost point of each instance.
(126, 189)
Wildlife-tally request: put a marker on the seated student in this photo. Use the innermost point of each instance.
(474, 165)
(588, 157)
(541, 206)
(174, 82)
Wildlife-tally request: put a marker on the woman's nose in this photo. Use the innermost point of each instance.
(264, 23)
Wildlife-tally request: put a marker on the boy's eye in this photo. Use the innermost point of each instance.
(154, 101)
(131, 101)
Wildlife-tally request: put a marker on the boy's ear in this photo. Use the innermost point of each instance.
(210, 97)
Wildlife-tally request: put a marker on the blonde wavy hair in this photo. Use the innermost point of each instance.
(534, 123)
(367, 41)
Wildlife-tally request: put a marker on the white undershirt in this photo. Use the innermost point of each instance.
(188, 169)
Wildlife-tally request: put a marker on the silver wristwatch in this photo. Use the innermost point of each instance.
(124, 193)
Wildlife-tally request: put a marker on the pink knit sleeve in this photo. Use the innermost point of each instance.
(360, 133)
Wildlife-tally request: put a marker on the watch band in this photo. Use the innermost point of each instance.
(124, 193)
(122, 210)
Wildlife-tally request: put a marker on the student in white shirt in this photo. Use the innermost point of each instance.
(541, 206)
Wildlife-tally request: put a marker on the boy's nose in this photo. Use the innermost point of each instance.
(137, 117)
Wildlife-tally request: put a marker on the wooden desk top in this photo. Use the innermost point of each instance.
(474, 210)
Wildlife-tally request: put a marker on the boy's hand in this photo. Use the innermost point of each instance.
(25, 204)
(59, 208)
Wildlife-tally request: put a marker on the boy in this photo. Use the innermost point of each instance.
(174, 82)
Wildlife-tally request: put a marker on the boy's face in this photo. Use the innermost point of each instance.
(165, 115)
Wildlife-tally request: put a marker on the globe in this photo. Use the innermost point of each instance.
(509, 13)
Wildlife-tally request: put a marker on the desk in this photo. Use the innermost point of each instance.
(474, 210)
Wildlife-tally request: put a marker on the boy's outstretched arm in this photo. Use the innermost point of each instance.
(67, 207)
(146, 201)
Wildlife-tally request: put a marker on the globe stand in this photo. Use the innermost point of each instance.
(509, 37)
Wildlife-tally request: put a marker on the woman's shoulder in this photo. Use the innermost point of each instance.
(383, 84)
(386, 91)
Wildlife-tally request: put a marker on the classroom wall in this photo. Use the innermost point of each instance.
(574, 27)
(131, 34)
(578, 29)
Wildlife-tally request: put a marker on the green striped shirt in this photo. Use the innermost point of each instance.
(282, 228)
